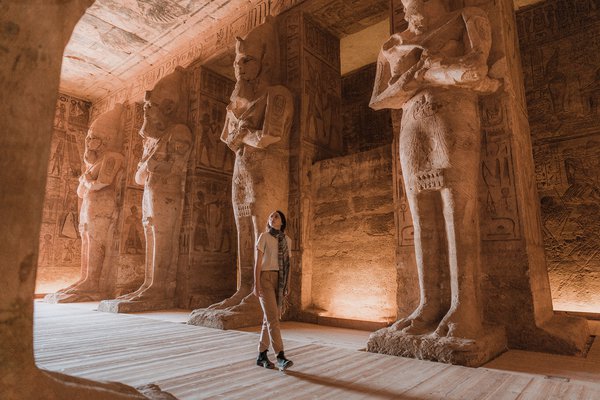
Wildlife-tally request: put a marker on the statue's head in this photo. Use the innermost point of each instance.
(422, 14)
(104, 133)
(257, 56)
(163, 104)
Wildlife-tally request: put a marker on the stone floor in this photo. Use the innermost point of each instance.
(198, 363)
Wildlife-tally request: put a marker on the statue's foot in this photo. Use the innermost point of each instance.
(247, 303)
(459, 323)
(148, 293)
(77, 296)
(46, 385)
(423, 320)
(232, 301)
(132, 295)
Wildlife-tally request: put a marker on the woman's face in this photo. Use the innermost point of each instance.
(275, 220)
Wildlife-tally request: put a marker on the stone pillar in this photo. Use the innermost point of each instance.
(99, 190)
(167, 143)
(207, 249)
(513, 280)
(30, 73)
(312, 71)
(515, 274)
(257, 126)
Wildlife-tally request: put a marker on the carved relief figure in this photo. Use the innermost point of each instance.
(256, 129)
(162, 170)
(133, 242)
(200, 232)
(434, 72)
(97, 189)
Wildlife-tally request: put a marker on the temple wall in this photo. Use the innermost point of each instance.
(352, 237)
(60, 242)
(561, 66)
(207, 258)
(363, 128)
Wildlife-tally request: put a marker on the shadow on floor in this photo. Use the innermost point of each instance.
(372, 393)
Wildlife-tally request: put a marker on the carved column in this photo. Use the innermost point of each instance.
(513, 282)
(207, 259)
(312, 72)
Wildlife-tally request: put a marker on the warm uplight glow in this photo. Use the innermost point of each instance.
(364, 298)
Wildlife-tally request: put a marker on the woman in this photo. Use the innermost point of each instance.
(271, 279)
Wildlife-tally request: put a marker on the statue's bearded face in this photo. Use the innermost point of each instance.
(247, 67)
(422, 14)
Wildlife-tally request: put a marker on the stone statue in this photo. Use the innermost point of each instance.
(434, 71)
(98, 187)
(256, 129)
(162, 171)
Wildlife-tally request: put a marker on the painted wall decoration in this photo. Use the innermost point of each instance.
(561, 66)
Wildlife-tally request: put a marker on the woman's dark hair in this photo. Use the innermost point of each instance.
(283, 220)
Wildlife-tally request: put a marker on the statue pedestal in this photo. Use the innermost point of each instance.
(451, 350)
(127, 306)
(246, 313)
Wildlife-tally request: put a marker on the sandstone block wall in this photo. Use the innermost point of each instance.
(352, 237)
(559, 42)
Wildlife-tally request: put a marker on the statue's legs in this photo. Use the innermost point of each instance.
(95, 244)
(148, 260)
(461, 216)
(428, 235)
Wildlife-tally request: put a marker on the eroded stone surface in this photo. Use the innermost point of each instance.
(98, 186)
(162, 171)
(256, 129)
(30, 70)
(435, 80)
(452, 350)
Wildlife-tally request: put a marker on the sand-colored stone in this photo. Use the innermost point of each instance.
(256, 129)
(98, 215)
(434, 71)
(162, 171)
(29, 70)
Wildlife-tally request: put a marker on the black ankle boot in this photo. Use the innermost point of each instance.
(282, 362)
(263, 361)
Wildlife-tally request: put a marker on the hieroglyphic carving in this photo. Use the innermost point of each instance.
(363, 128)
(321, 44)
(500, 215)
(60, 242)
(559, 42)
(561, 67)
(133, 240)
(134, 145)
(216, 86)
(321, 106)
(212, 216)
(344, 17)
(568, 177)
(293, 66)
(213, 96)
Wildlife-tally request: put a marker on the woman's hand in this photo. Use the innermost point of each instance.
(256, 291)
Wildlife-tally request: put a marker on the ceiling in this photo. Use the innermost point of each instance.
(117, 41)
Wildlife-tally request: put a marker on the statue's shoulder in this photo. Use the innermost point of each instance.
(279, 90)
(113, 156)
(180, 132)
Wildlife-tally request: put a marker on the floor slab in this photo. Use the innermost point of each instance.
(198, 363)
